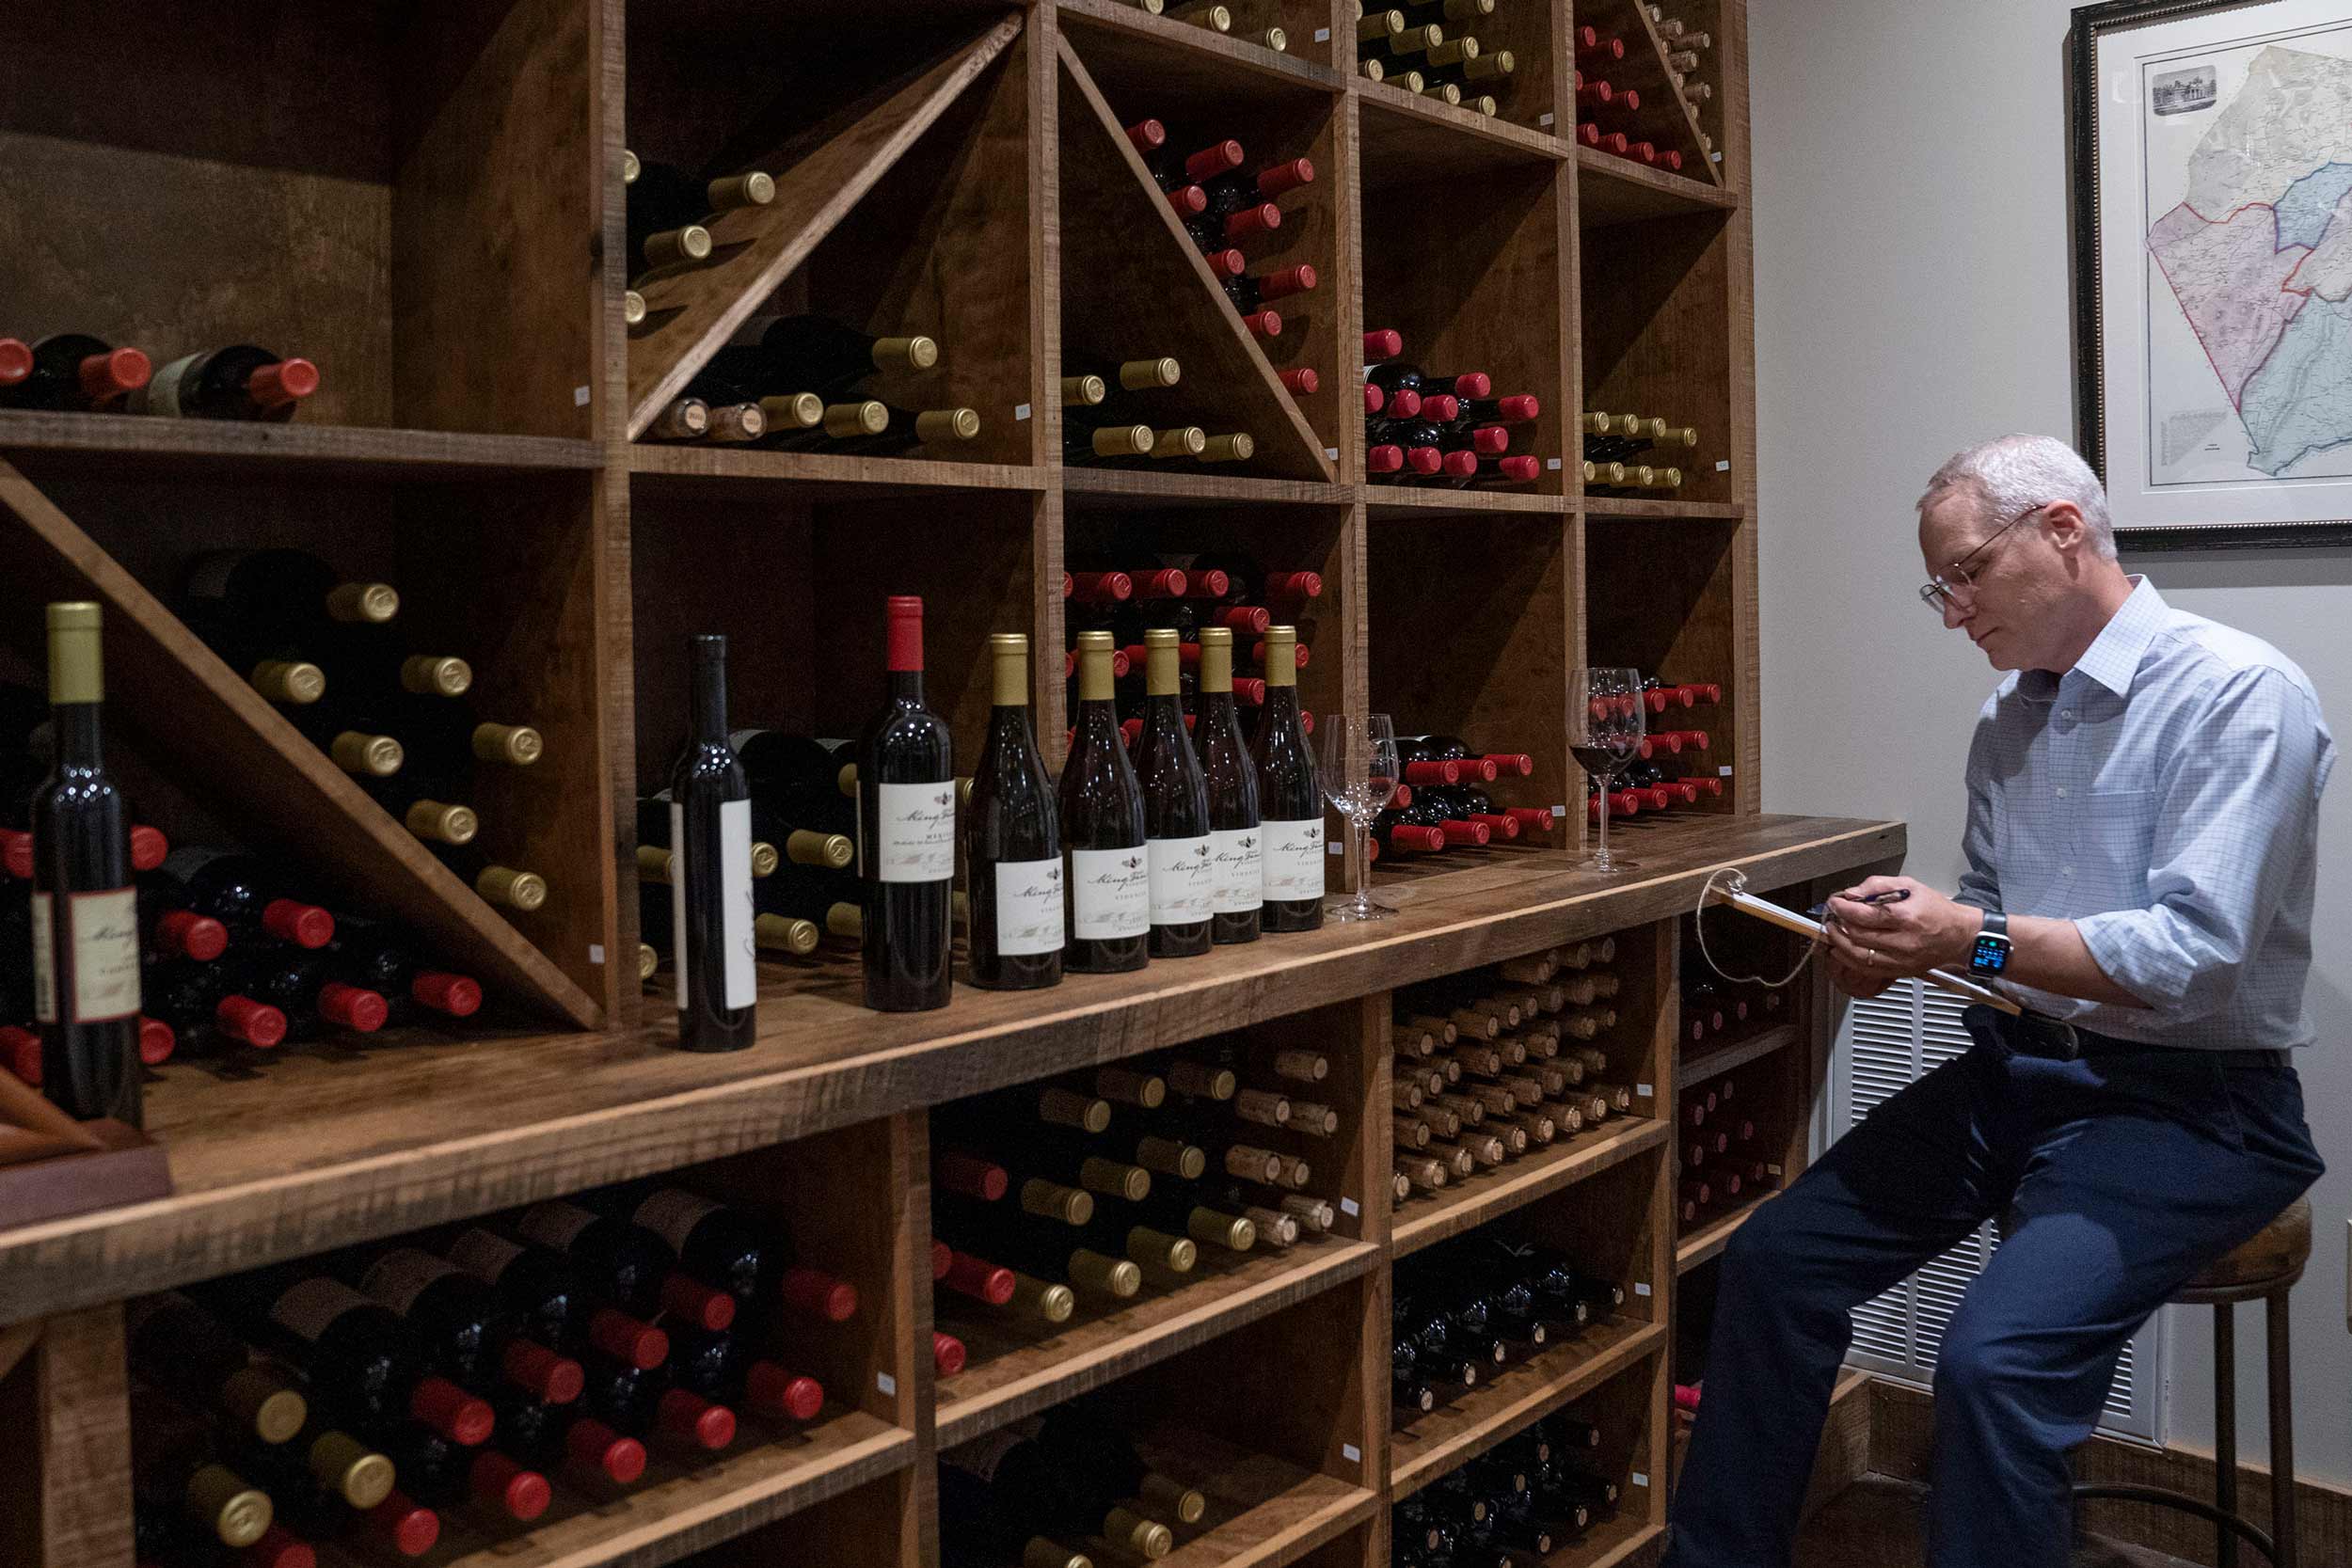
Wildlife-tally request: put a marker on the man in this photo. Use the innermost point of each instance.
(2143, 799)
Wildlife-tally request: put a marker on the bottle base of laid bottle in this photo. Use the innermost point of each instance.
(1188, 941)
(1106, 955)
(1229, 930)
(1037, 972)
(1292, 914)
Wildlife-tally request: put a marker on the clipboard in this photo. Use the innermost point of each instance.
(1812, 930)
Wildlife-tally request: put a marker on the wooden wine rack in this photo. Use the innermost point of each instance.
(425, 199)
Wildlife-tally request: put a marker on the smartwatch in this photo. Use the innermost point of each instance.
(1989, 953)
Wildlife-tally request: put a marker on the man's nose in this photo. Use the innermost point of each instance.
(1955, 614)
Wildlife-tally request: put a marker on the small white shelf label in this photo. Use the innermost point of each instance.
(1335, 847)
(1640, 1479)
(1331, 453)
(1724, 773)
(579, 397)
(884, 1382)
(1323, 35)
(1559, 811)
(1723, 464)
(1543, 120)
(1642, 1091)
(1019, 412)
(596, 953)
(1347, 1207)
(1641, 1288)
(1350, 1453)
(1552, 462)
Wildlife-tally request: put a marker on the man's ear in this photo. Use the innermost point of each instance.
(2065, 520)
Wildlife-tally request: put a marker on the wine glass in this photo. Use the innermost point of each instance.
(1605, 727)
(1357, 765)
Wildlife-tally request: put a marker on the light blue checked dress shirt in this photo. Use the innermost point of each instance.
(2162, 795)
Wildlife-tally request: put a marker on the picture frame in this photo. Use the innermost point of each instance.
(2218, 413)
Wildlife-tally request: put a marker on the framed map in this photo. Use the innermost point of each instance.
(2212, 191)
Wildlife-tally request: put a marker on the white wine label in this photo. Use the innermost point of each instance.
(1183, 879)
(1110, 893)
(1240, 870)
(483, 1255)
(400, 1276)
(45, 971)
(161, 395)
(1028, 907)
(310, 1309)
(917, 833)
(554, 1225)
(104, 931)
(671, 1215)
(1294, 858)
(735, 886)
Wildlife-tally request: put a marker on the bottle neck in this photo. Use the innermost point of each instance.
(75, 732)
(906, 686)
(710, 715)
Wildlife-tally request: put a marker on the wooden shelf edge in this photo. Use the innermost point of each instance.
(1306, 461)
(733, 1493)
(1671, 193)
(1410, 1472)
(1710, 1239)
(1395, 502)
(1205, 41)
(218, 715)
(755, 248)
(688, 463)
(1332, 1508)
(1153, 486)
(1727, 1058)
(1486, 131)
(358, 450)
(1614, 1542)
(1614, 506)
(1178, 1322)
(1522, 1182)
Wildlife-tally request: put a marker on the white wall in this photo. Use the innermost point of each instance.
(1913, 296)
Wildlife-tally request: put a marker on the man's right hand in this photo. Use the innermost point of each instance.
(1857, 982)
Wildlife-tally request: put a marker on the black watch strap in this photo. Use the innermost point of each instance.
(1995, 924)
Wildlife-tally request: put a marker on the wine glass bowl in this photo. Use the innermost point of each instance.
(1607, 719)
(1358, 768)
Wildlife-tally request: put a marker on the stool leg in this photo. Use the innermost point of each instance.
(2281, 1434)
(2225, 1429)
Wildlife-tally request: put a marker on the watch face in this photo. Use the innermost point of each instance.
(1991, 955)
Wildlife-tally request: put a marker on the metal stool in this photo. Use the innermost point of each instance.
(2263, 1269)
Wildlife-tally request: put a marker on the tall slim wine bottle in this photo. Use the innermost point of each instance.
(1102, 829)
(86, 928)
(1180, 859)
(1012, 842)
(1235, 835)
(1289, 798)
(907, 831)
(710, 882)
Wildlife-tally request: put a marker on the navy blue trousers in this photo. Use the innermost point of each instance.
(2119, 1179)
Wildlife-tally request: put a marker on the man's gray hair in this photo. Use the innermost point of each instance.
(2008, 474)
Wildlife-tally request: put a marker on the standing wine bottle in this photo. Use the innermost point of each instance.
(1235, 835)
(711, 885)
(1289, 798)
(907, 831)
(1102, 829)
(240, 382)
(85, 907)
(1012, 842)
(1181, 861)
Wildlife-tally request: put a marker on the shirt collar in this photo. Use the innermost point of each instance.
(2113, 658)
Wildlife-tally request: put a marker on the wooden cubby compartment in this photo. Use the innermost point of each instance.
(1661, 597)
(905, 204)
(1628, 1410)
(1473, 272)
(1664, 120)
(1272, 1421)
(1135, 285)
(398, 193)
(1014, 1368)
(874, 1526)
(1471, 624)
(1653, 343)
(498, 571)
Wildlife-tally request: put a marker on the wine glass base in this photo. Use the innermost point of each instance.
(1348, 909)
(1610, 867)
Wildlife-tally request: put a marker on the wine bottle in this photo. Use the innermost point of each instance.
(175, 1345)
(664, 200)
(1181, 866)
(1084, 445)
(85, 907)
(554, 1301)
(447, 1476)
(461, 1323)
(1235, 835)
(644, 1404)
(814, 354)
(239, 382)
(71, 371)
(1012, 841)
(942, 430)
(1102, 829)
(719, 1249)
(622, 1261)
(301, 986)
(710, 870)
(907, 831)
(982, 1526)
(591, 1452)
(1289, 796)
(177, 1472)
(721, 1366)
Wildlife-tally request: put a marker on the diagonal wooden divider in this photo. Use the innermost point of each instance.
(1143, 297)
(821, 175)
(212, 726)
(1646, 71)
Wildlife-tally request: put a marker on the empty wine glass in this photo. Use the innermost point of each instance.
(1355, 755)
(1605, 727)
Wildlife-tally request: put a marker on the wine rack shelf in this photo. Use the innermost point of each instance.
(1514, 1397)
(1707, 1241)
(1466, 1205)
(1696, 1067)
(44, 444)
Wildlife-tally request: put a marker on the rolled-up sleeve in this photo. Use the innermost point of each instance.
(1981, 883)
(2235, 816)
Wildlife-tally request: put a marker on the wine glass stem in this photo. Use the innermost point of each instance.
(1358, 873)
(1601, 857)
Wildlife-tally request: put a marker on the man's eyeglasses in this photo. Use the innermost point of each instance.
(1936, 592)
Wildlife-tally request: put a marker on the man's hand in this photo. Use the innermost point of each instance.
(1876, 945)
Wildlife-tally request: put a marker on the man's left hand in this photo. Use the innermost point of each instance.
(1926, 930)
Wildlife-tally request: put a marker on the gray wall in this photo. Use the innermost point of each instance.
(1913, 295)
